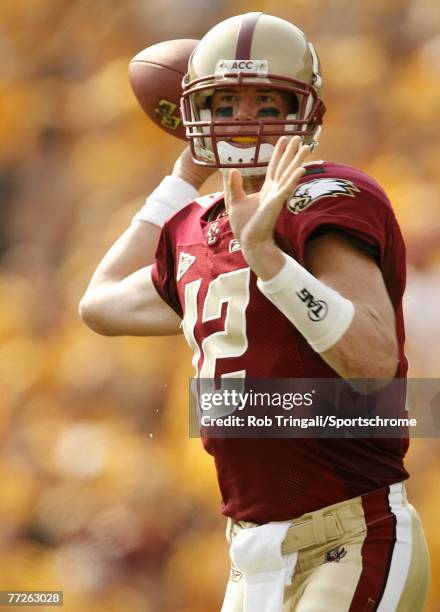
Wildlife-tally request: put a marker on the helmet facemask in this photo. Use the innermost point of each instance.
(210, 138)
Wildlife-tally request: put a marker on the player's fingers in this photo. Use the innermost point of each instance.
(226, 190)
(267, 216)
(233, 188)
(288, 155)
(272, 202)
(278, 151)
(289, 186)
(236, 185)
(289, 176)
(294, 180)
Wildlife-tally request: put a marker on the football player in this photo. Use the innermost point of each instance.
(296, 270)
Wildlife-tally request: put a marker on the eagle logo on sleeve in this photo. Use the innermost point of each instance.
(308, 193)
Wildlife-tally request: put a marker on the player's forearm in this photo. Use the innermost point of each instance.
(137, 246)
(367, 350)
(265, 260)
(351, 337)
(133, 250)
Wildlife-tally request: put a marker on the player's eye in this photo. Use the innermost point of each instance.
(223, 111)
(270, 111)
(266, 99)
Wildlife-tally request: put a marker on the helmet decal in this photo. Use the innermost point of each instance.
(245, 34)
(225, 66)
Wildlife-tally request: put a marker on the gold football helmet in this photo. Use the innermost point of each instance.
(251, 50)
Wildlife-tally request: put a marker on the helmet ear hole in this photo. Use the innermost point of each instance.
(293, 105)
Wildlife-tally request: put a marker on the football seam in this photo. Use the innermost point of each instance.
(157, 64)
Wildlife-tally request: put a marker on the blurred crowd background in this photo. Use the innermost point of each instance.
(102, 493)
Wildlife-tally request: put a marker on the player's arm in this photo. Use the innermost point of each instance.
(369, 348)
(121, 298)
(340, 305)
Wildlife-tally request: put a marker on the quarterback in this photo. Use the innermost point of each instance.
(313, 524)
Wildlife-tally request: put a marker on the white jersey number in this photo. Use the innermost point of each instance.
(231, 288)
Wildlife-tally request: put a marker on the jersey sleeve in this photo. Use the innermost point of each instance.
(362, 215)
(163, 272)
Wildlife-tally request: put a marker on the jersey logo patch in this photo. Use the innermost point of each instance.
(335, 555)
(307, 193)
(235, 575)
(185, 262)
(234, 245)
(213, 233)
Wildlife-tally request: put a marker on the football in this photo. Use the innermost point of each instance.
(156, 75)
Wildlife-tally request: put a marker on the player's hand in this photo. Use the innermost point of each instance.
(253, 217)
(186, 169)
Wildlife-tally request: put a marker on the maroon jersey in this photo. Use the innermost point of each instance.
(235, 331)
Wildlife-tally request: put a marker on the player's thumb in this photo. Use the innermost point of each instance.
(233, 188)
(235, 183)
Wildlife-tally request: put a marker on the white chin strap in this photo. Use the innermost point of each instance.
(230, 155)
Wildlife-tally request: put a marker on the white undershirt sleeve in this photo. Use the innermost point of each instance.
(169, 197)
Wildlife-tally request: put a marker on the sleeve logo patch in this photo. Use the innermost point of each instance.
(308, 193)
(185, 262)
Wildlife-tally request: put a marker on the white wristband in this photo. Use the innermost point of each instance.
(320, 313)
(169, 197)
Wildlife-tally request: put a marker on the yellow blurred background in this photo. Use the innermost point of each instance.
(102, 493)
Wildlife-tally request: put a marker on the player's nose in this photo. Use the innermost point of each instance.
(245, 109)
